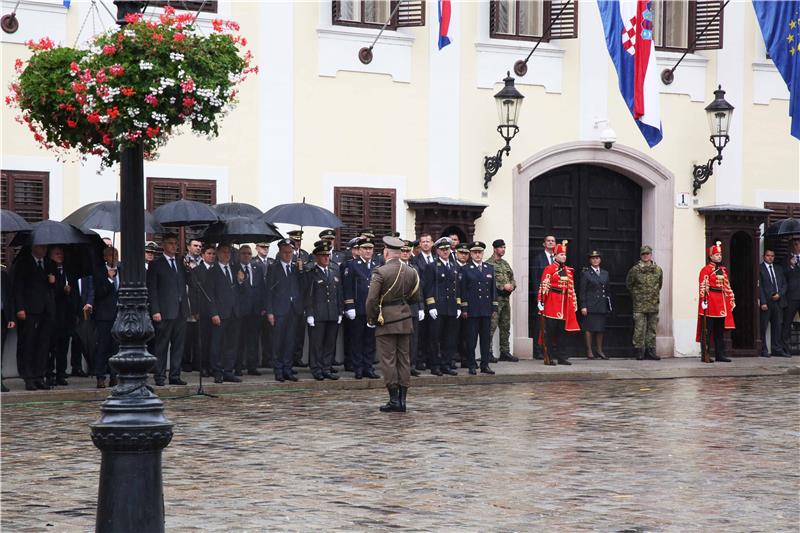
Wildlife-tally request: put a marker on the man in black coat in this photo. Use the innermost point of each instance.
(63, 320)
(200, 289)
(33, 280)
(422, 260)
(261, 262)
(792, 292)
(442, 293)
(283, 304)
(772, 296)
(84, 329)
(7, 317)
(224, 285)
(324, 305)
(169, 308)
(106, 291)
(541, 260)
(191, 348)
(250, 306)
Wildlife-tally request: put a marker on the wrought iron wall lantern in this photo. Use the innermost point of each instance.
(509, 102)
(719, 118)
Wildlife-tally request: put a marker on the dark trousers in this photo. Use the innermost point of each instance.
(362, 347)
(443, 340)
(791, 309)
(537, 348)
(553, 329)
(284, 335)
(322, 346)
(170, 339)
(105, 348)
(191, 347)
(299, 341)
(716, 330)
(247, 356)
(774, 317)
(59, 347)
(225, 343)
(81, 352)
(347, 339)
(33, 345)
(424, 342)
(479, 327)
(3, 335)
(413, 341)
(266, 342)
(207, 330)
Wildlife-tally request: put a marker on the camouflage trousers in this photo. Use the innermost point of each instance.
(502, 319)
(644, 329)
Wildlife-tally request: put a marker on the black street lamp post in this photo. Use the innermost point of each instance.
(719, 119)
(132, 430)
(509, 102)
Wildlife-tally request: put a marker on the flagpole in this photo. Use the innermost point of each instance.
(521, 67)
(668, 74)
(365, 54)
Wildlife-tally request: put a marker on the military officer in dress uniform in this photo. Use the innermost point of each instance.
(440, 287)
(329, 235)
(300, 258)
(347, 325)
(595, 303)
(504, 280)
(716, 304)
(478, 304)
(356, 277)
(296, 235)
(377, 258)
(557, 303)
(324, 306)
(462, 343)
(392, 287)
(417, 309)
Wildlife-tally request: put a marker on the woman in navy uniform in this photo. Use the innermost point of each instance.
(594, 304)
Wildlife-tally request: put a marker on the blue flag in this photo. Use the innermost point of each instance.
(67, 3)
(780, 25)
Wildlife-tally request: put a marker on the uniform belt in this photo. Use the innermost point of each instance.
(395, 302)
(715, 289)
(557, 291)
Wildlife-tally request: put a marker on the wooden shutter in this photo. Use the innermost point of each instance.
(701, 12)
(362, 207)
(566, 27)
(210, 6)
(411, 13)
(161, 191)
(27, 194)
(781, 210)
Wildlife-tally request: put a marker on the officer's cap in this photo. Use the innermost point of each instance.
(498, 243)
(393, 243)
(150, 246)
(262, 245)
(327, 234)
(414, 243)
(319, 243)
(477, 245)
(462, 247)
(355, 242)
(365, 243)
(295, 234)
(443, 242)
(366, 232)
(322, 248)
(645, 250)
(407, 246)
(285, 242)
(594, 253)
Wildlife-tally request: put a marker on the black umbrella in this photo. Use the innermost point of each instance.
(237, 209)
(303, 214)
(12, 222)
(185, 213)
(241, 229)
(786, 226)
(50, 232)
(106, 215)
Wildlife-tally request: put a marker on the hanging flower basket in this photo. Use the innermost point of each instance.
(135, 84)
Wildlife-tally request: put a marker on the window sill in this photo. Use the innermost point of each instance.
(767, 83)
(339, 46)
(496, 56)
(690, 77)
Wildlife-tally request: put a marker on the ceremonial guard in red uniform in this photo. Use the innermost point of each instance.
(557, 304)
(715, 306)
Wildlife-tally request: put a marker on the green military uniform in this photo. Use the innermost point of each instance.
(644, 284)
(503, 275)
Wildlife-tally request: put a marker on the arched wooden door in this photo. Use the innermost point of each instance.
(594, 208)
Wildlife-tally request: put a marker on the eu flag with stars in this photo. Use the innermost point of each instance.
(780, 25)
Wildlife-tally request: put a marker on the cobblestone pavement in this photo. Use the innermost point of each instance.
(633, 456)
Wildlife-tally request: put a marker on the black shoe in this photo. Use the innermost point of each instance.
(722, 359)
(41, 385)
(436, 372)
(231, 378)
(450, 372)
(650, 353)
(30, 385)
(291, 377)
(218, 379)
(371, 374)
(781, 354)
(177, 381)
(358, 375)
(112, 381)
(564, 362)
(473, 371)
(318, 377)
(494, 359)
(421, 366)
(393, 405)
(329, 375)
(3, 387)
(101, 384)
(551, 363)
(160, 382)
(640, 354)
(279, 377)
(50, 382)
(414, 372)
(79, 374)
(486, 370)
(62, 381)
(253, 372)
(334, 371)
(238, 373)
(765, 354)
(292, 371)
(508, 357)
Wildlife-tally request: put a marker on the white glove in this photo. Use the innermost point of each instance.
(434, 313)
(420, 315)
(310, 321)
(339, 320)
(351, 314)
(458, 314)
(704, 305)
(541, 306)
(371, 326)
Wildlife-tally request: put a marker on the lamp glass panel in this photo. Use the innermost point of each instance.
(719, 122)
(508, 110)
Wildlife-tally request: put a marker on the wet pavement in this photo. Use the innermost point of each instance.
(709, 454)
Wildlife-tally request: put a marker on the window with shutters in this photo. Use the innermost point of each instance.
(27, 194)
(374, 13)
(529, 19)
(209, 6)
(679, 23)
(361, 207)
(164, 190)
(780, 210)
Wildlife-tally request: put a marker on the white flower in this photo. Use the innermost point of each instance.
(144, 65)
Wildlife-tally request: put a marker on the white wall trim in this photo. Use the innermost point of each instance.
(690, 77)
(55, 186)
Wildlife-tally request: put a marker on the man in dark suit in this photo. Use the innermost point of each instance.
(169, 308)
(204, 296)
(33, 280)
(422, 260)
(106, 290)
(792, 292)
(284, 307)
(250, 306)
(83, 311)
(772, 290)
(7, 318)
(324, 305)
(224, 284)
(63, 320)
(191, 347)
(541, 260)
(262, 262)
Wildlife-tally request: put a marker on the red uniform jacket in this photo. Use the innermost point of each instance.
(557, 292)
(715, 288)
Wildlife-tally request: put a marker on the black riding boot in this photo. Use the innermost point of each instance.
(403, 393)
(393, 405)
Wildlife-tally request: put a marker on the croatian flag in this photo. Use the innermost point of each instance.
(628, 27)
(444, 23)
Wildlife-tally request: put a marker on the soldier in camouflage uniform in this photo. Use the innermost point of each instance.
(504, 280)
(644, 283)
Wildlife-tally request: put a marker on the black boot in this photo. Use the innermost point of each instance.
(393, 405)
(639, 354)
(650, 353)
(402, 398)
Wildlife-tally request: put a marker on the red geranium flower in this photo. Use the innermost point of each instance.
(109, 49)
(157, 37)
(112, 112)
(178, 37)
(60, 90)
(74, 67)
(93, 117)
(188, 101)
(116, 70)
(128, 91)
(72, 123)
(152, 100)
(153, 132)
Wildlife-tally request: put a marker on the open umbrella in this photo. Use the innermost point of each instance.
(241, 229)
(303, 214)
(786, 226)
(237, 209)
(12, 222)
(50, 232)
(185, 213)
(106, 215)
